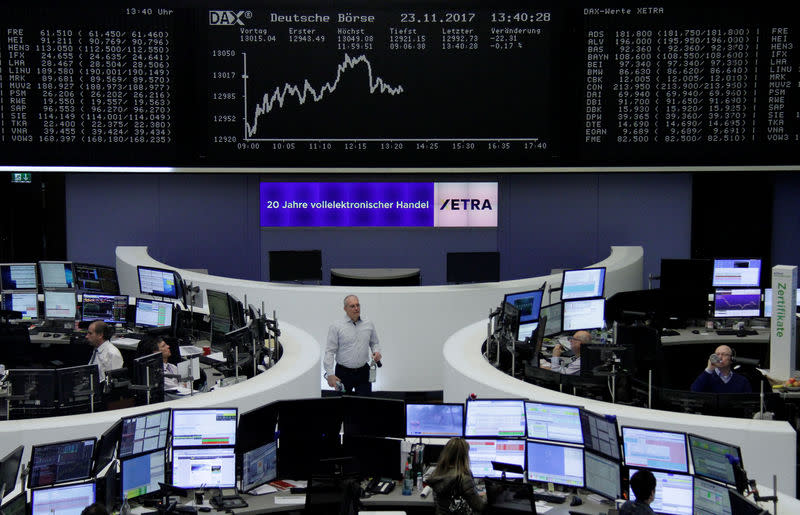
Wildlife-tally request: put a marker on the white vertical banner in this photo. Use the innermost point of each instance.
(783, 329)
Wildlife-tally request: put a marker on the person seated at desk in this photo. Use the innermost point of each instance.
(106, 356)
(153, 343)
(575, 342)
(643, 484)
(452, 482)
(718, 376)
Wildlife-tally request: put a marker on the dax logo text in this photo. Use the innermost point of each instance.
(464, 204)
(225, 17)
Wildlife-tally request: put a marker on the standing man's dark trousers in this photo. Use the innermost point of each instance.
(354, 379)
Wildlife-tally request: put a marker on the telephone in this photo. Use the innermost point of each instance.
(380, 486)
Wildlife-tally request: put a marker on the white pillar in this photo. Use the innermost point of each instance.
(783, 329)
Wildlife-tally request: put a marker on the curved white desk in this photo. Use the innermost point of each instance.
(412, 321)
(768, 447)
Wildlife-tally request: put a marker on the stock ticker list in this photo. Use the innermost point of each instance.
(408, 84)
(81, 80)
(658, 77)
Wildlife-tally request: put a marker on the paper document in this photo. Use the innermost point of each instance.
(290, 499)
(190, 350)
(217, 356)
(266, 488)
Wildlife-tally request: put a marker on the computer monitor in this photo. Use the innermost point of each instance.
(204, 427)
(64, 500)
(219, 311)
(259, 466)
(257, 427)
(144, 433)
(38, 385)
(685, 285)
(60, 305)
(526, 331)
(434, 420)
(600, 433)
(141, 475)
(554, 314)
(736, 273)
(527, 302)
(295, 265)
(153, 313)
(768, 301)
(583, 314)
(368, 416)
(583, 283)
(555, 463)
(18, 276)
(737, 303)
(483, 452)
(603, 475)
(204, 468)
(61, 462)
(9, 470)
(149, 371)
(653, 449)
(553, 422)
(674, 493)
(17, 505)
(741, 505)
(111, 309)
(107, 447)
(711, 498)
(27, 303)
(76, 385)
(473, 267)
(710, 458)
(56, 274)
(495, 418)
(96, 278)
(159, 282)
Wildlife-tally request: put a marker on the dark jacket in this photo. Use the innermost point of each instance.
(447, 487)
(635, 508)
(710, 382)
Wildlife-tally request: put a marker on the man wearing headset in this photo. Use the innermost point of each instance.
(106, 356)
(718, 376)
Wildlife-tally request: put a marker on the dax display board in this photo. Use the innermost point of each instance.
(400, 83)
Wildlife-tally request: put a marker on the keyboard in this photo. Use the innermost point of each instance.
(551, 498)
(734, 332)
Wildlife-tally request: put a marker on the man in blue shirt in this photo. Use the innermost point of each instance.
(718, 376)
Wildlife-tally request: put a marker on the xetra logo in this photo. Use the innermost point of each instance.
(225, 17)
(464, 204)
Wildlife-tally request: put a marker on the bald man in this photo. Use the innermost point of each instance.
(575, 342)
(718, 376)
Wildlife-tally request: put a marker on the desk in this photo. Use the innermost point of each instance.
(375, 276)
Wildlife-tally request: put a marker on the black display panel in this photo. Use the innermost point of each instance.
(400, 83)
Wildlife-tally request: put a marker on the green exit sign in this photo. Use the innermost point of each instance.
(21, 177)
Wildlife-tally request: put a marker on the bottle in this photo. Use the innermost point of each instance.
(407, 481)
(419, 481)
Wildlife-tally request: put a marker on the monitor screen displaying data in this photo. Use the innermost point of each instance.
(600, 433)
(768, 301)
(26, 303)
(108, 308)
(142, 474)
(583, 283)
(18, 276)
(483, 452)
(61, 462)
(603, 476)
(203, 427)
(584, 314)
(259, 466)
(434, 420)
(736, 273)
(495, 418)
(742, 302)
(711, 498)
(63, 500)
(153, 313)
(674, 493)
(649, 448)
(710, 458)
(95, 278)
(158, 282)
(144, 433)
(60, 305)
(555, 422)
(528, 303)
(553, 312)
(204, 468)
(553, 463)
(56, 274)
(526, 330)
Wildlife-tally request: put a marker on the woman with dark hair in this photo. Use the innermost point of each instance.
(452, 482)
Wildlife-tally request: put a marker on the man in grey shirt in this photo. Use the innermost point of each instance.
(351, 341)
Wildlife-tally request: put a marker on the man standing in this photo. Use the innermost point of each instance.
(106, 356)
(718, 376)
(351, 341)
